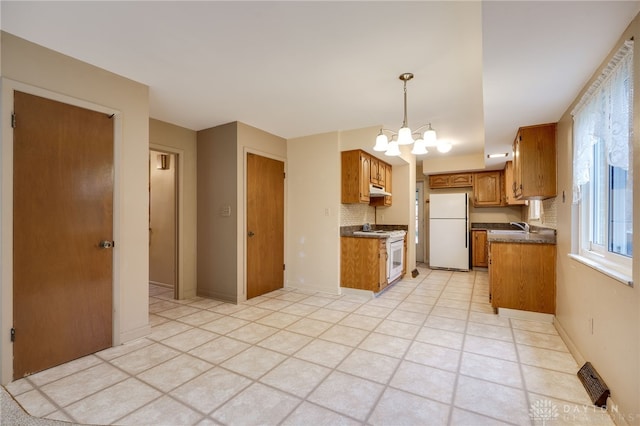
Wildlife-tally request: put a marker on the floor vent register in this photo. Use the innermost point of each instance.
(593, 383)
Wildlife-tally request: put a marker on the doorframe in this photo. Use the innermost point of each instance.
(421, 222)
(242, 284)
(178, 292)
(7, 87)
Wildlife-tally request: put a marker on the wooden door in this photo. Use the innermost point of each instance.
(265, 225)
(63, 209)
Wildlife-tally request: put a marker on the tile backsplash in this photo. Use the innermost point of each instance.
(356, 214)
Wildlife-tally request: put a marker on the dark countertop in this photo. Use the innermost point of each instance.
(482, 226)
(536, 236)
(347, 231)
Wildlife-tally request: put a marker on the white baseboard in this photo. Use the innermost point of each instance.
(313, 289)
(357, 292)
(567, 341)
(134, 334)
(525, 315)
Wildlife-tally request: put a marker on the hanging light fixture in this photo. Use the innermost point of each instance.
(404, 136)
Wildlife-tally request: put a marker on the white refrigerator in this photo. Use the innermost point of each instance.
(449, 231)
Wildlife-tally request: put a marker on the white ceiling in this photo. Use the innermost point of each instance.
(482, 69)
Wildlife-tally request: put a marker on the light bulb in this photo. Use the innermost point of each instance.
(444, 147)
(393, 150)
(419, 147)
(430, 136)
(382, 142)
(404, 136)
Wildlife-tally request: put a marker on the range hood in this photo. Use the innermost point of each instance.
(377, 191)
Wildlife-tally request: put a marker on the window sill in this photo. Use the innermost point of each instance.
(611, 273)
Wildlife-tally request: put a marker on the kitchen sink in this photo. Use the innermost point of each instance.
(507, 231)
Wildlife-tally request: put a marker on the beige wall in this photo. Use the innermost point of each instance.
(313, 199)
(31, 68)
(221, 183)
(217, 238)
(182, 142)
(585, 295)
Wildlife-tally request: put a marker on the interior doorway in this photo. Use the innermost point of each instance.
(420, 234)
(163, 219)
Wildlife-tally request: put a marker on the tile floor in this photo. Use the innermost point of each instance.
(427, 351)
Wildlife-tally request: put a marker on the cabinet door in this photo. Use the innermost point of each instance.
(522, 276)
(537, 168)
(460, 180)
(365, 172)
(387, 184)
(382, 265)
(360, 263)
(510, 185)
(487, 189)
(517, 168)
(373, 171)
(479, 251)
(438, 181)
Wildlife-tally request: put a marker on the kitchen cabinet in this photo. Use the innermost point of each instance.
(386, 200)
(487, 189)
(479, 249)
(534, 162)
(356, 170)
(378, 172)
(523, 276)
(451, 180)
(360, 169)
(363, 263)
(509, 197)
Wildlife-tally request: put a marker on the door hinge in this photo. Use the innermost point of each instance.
(13, 120)
(284, 267)
(13, 334)
(284, 175)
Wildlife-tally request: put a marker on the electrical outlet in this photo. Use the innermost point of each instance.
(327, 211)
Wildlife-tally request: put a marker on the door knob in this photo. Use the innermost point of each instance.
(250, 233)
(106, 244)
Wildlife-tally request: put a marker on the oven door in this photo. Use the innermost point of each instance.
(395, 251)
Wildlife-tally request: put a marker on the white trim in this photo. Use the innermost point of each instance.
(610, 272)
(7, 87)
(567, 341)
(136, 333)
(525, 315)
(357, 292)
(179, 292)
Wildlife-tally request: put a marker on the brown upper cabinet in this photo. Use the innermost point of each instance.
(487, 189)
(359, 170)
(451, 180)
(378, 172)
(386, 200)
(508, 183)
(534, 162)
(356, 166)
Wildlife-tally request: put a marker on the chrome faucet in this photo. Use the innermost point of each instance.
(522, 225)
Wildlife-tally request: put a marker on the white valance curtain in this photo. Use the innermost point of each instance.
(604, 114)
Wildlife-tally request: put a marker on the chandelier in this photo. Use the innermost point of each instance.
(405, 136)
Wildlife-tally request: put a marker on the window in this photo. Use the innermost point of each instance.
(602, 166)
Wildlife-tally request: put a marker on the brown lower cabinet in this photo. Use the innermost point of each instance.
(523, 276)
(479, 254)
(363, 263)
